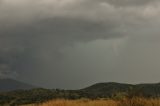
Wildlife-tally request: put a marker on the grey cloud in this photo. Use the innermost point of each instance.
(129, 2)
(27, 44)
(33, 34)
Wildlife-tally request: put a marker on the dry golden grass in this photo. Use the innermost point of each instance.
(80, 103)
(139, 102)
(124, 102)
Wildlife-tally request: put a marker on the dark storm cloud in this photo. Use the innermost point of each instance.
(33, 33)
(23, 37)
(25, 42)
(128, 2)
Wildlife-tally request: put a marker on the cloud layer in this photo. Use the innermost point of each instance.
(36, 36)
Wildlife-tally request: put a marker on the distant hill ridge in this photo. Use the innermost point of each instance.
(11, 84)
(100, 90)
(110, 88)
(112, 85)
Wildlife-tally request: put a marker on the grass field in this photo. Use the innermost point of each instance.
(124, 102)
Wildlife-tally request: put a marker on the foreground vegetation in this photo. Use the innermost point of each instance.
(80, 103)
(114, 92)
(86, 102)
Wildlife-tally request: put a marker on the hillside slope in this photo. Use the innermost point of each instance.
(100, 90)
(11, 84)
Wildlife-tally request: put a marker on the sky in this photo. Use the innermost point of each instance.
(71, 44)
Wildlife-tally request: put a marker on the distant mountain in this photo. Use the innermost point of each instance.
(109, 87)
(112, 88)
(11, 84)
(148, 90)
(106, 90)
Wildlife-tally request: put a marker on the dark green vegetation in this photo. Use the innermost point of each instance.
(100, 90)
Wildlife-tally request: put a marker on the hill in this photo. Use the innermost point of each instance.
(100, 90)
(112, 88)
(11, 84)
(107, 89)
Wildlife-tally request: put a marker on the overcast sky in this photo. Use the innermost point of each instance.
(71, 44)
